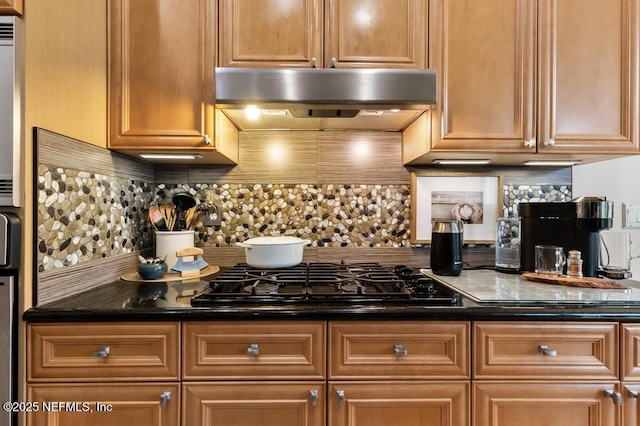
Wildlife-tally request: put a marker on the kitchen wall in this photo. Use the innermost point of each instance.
(346, 191)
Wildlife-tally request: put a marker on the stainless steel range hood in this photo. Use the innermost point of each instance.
(324, 99)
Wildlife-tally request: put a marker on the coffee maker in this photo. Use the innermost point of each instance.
(572, 225)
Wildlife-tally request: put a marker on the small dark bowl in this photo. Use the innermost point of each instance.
(152, 271)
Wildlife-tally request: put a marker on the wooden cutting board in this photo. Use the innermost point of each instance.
(585, 282)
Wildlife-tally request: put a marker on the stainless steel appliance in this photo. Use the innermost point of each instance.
(320, 284)
(446, 247)
(573, 225)
(10, 237)
(318, 99)
(11, 36)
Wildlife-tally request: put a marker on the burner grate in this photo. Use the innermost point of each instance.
(323, 284)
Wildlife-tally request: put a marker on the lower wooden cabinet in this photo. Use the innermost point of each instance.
(254, 404)
(398, 403)
(113, 404)
(548, 404)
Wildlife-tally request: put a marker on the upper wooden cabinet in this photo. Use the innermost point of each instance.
(161, 79)
(340, 33)
(522, 77)
(10, 7)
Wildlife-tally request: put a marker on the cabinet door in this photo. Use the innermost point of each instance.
(484, 54)
(588, 71)
(254, 404)
(10, 7)
(270, 33)
(114, 404)
(161, 80)
(535, 404)
(398, 403)
(376, 33)
(631, 404)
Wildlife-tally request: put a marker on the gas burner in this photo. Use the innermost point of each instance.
(353, 288)
(261, 288)
(315, 284)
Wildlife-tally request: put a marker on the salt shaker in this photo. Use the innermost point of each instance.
(574, 264)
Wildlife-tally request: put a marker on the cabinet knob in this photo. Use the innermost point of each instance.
(531, 143)
(550, 143)
(164, 398)
(102, 352)
(206, 139)
(544, 349)
(334, 62)
(253, 349)
(314, 62)
(340, 395)
(313, 395)
(399, 350)
(616, 396)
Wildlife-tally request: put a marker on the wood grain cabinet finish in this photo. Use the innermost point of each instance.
(521, 77)
(254, 403)
(552, 404)
(254, 350)
(95, 352)
(11, 7)
(545, 351)
(329, 33)
(161, 79)
(630, 404)
(399, 403)
(398, 350)
(150, 404)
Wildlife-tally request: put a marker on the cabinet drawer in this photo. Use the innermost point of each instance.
(399, 350)
(103, 352)
(630, 356)
(248, 350)
(580, 350)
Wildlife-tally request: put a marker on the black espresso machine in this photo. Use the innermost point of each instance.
(572, 225)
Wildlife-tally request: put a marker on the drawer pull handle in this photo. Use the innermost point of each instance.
(632, 393)
(313, 394)
(399, 350)
(103, 352)
(164, 398)
(616, 396)
(544, 349)
(531, 143)
(550, 143)
(340, 395)
(253, 349)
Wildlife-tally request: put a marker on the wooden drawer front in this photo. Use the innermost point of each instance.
(248, 350)
(505, 350)
(69, 352)
(376, 350)
(630, 356)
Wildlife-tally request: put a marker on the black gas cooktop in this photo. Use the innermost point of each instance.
(324, 283)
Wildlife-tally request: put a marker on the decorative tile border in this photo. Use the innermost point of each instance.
(85, 216)
(515, 194)
(329, 215)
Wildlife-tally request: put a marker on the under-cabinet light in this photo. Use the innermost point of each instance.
(461, 162)
(556, 163)
(171, 156)
(252, 112)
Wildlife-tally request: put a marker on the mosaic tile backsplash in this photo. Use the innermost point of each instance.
(84, 216)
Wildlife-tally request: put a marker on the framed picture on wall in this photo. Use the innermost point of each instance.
(472, 198)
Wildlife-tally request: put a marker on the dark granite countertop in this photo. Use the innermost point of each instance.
(133, 301)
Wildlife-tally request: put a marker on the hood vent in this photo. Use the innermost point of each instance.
(323, 99)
